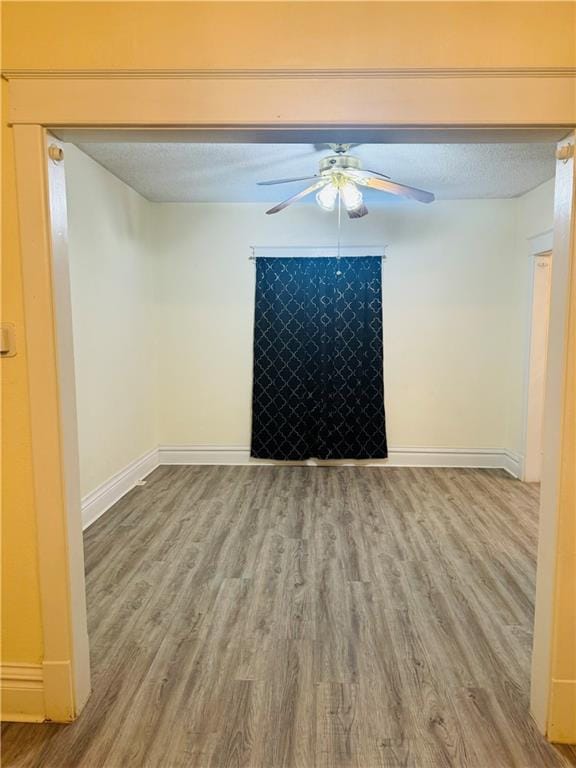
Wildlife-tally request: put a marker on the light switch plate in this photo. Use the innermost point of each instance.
(7, 340)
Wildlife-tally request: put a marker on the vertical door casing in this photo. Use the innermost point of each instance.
(68, 414)
(541, 276)
(62, 589)
(553, 683)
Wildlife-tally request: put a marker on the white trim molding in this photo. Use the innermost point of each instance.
(534, 354)
(513, 463)
(540, 246)
(494, 458)
(22, 693)
(95, 503)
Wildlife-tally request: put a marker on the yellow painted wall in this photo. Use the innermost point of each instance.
(21, 626)
(164, 35)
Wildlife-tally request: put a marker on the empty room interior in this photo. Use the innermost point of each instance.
(309, 400)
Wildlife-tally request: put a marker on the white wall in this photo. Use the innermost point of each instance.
(536, 211)
(112, 280)
(447, 286)
(163, 298)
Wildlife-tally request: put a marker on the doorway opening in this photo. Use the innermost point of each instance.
(460, 409)
(173, 453)
(536, 378)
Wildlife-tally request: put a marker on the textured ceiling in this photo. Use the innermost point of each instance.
(179, 172)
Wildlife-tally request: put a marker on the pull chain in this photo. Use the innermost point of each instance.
(338, 272)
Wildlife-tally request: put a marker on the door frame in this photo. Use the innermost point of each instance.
(277, 104)
(540, 251)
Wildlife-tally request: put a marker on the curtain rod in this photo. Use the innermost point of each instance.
(316, 251)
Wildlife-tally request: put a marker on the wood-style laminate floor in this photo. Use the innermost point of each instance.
(307, 617)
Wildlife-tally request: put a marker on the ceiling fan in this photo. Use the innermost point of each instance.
(340, 175)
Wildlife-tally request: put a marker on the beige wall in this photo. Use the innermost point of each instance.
(447, 285)
(112, 284)
(536, 212)
(168, 289)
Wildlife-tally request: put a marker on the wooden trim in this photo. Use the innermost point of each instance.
(61, 694)
(562, 704)
(62, 299)
(562, 719)
(22, 693)
(380, 73)
(555, 507)
(293, 102)
(54, 539)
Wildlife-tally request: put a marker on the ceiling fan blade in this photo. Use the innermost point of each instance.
(357, 213)
(286, 181)
(393, 188)
(298, 196)
(376, 173)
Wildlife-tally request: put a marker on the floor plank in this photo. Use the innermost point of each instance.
(307, 617)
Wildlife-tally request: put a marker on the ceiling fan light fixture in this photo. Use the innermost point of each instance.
(351, 196)
(327, 196)
(338, 180)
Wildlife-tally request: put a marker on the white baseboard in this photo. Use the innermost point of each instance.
(104, 496)
(513, 463)
(496, 458)
(205, 454)
(22, 693)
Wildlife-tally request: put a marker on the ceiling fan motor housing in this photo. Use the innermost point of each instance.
(339, 163)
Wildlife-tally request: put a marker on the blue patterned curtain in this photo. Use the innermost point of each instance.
(318, 387)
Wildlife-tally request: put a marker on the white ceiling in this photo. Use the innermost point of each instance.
(189, 172)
